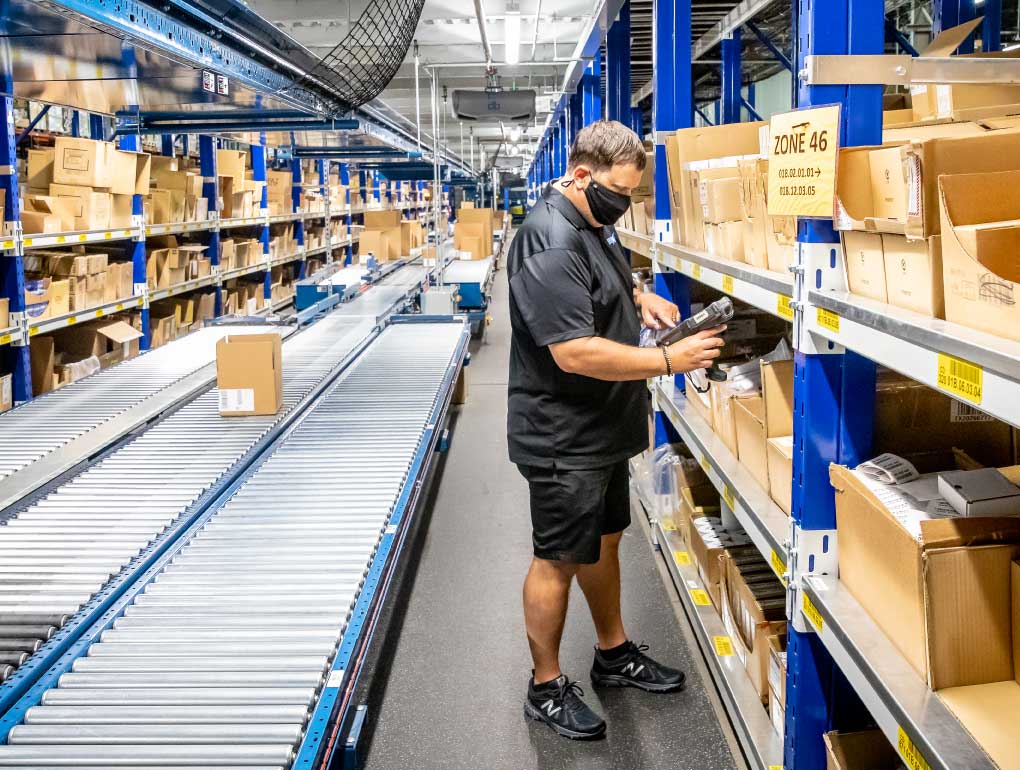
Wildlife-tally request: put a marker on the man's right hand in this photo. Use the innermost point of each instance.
(698, 351)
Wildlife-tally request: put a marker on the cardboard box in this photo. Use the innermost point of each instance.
(476, 216)
(781, 243)
(6, 392)
(721, 198)
(865, 265)
(707, 559)
(92, 210)
(912, 586)
(82, 162)
(129, 172)
(5, 315)
(42, 359)
(749, 422)
(231, 163)
(644, 190)
(867, 750)
(730, 241)
(913, 274)
(777, 669)
(980, 237)
(757, 419)
(383, 244)
(40, 169)
(279, 186)
(381, 220)
(249, 374)
(48, 214)
(99, 339)
(779, 454)
(888, 191)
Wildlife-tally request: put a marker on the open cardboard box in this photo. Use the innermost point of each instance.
(923, 592)
(757, 419)
(865, 750)
(981, 235)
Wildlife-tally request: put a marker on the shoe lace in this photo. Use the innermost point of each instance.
(571, 694)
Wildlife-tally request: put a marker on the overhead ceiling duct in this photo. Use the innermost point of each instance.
(512, 106)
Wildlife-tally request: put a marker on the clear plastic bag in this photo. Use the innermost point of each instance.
(664, 494)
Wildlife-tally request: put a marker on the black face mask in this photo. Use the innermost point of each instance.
(606, 205)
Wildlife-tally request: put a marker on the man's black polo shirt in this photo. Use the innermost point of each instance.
(569, 280)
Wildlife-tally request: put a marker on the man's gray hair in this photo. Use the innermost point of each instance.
(604, 144)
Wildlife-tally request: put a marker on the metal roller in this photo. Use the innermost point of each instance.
(226, 649)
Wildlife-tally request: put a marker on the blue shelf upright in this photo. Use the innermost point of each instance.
(138, 278)
(258, 168)
(210, 191)
(833, 390)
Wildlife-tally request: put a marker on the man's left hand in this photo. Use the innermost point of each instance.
(656, 312)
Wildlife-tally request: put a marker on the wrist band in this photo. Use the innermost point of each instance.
(669, 364)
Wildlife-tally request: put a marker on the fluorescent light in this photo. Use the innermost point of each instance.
(512, 44)
(1011, 47)
(515, 134)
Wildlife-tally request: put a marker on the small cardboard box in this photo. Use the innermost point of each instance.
(721, 198)
(384, 244)
(92, 210)
(645, 188)
(779, 453)
(42, 359)
(98, 339)
(5, 315)
(865, 265)
(867, 750)
(231, 163)
(913, 587)
(777, 668)
(83, 162)
(48, 214)
(129, 172)
(40, 169)
(913, 274)
(980, 240)
(249, 374)
(749, 421)
(6, 392)
(381, 220)
(758, 419)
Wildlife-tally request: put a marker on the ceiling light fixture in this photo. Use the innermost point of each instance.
(512, 35)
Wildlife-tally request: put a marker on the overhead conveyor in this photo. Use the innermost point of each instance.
(240, 637)
(57, 552)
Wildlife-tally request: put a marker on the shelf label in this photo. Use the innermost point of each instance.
(100, 313)
(909, 752)
(5, 339)
(778, 565)
(701, 597)
(27, 242)
(828, 320)
(803, 146)
(961, 378)
(61, 239)
(682, 558)
(811, 612)
(723, 646)
(72, 320)
(695, 271)
(727, 284)
(33, 330)
(783, 307)
(705, 464)
(10, 244)
(727, 494)
(120, 306)
(82, 237)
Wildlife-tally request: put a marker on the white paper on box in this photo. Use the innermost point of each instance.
(944, 100)
(6, 395)
(775, 674)
(913, 186)
(961, 412)
(237, 399)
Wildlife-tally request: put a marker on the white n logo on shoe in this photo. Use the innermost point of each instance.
(551, 708)
(629, 669)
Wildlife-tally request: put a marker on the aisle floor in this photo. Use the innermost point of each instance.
(460, 665)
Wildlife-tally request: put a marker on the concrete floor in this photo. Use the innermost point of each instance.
(460, 665)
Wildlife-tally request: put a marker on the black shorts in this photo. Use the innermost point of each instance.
(572, 509)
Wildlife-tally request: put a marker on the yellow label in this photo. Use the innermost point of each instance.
(828, 320)
(71, 320)
(910, 753)
(108, 235)
(728, 497)
(148, 231)
(775, 767)
(959, 377)
(83, 237)
(10, 244)
(727, 284)
(696, 271)
(682, 558)
(5, 339)
(33, 330)
(701, 597)
(778, 564)
(723, 646)
(803, 146)
(812, 612)
(783, 307)
(61, 239)
(100, 313)
(705, 464)
(120, 306)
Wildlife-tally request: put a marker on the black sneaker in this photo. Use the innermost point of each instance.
(559, 705)
(635, 669)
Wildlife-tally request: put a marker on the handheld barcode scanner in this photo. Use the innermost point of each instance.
(716, 314)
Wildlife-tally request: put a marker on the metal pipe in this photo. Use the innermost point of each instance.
(534, 40)
(480, 15)
(417, 96)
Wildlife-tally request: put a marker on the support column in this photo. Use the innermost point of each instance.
(166, 145)
(12, 267)
(833, 390)
(258, 173)
(591, 83)
(97, 127)
(618, 67)
(991, 27)
(345, 180)
(138, 278)
(207, 167)
(730, 77)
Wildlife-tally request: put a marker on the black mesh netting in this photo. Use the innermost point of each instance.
(365, 61)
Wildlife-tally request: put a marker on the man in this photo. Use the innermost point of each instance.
(578, 411)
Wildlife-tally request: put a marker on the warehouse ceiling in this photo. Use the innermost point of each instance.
(449, 44)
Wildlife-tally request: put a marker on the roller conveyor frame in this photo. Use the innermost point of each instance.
(333, 704)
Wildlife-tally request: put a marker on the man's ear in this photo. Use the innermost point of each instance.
(582, 174)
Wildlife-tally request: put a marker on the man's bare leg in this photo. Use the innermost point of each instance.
(601, 585)
(546, 594)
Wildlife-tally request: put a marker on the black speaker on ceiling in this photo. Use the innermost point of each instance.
(517, 106)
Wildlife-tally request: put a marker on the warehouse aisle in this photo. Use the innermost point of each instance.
(460, 667)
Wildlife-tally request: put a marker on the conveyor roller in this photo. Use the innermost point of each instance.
(218, 659)
(58, 551)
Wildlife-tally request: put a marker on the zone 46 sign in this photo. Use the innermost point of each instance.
(803, 147)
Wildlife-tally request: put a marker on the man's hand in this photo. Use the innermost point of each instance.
(656, 312)
(698, 351)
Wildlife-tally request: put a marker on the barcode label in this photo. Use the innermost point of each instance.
(723, 646)
(910, 753)
(783, 307)
(961, 412)
(237, 399)
(727, 284)
(959, 377)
